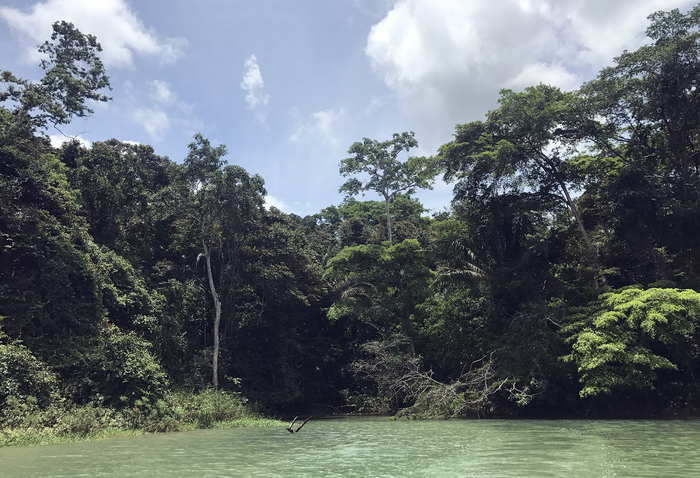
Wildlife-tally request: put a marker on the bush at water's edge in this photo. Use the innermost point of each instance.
(25, 422)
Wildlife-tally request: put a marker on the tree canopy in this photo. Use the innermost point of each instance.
(387, 175)
(73, 75)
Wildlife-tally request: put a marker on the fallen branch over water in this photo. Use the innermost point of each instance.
(291, 430)
(401, 378)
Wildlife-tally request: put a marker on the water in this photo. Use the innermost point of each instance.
(375, 447)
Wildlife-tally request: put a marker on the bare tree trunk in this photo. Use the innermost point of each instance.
(217, 318)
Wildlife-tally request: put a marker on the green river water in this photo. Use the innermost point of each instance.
(376, 447)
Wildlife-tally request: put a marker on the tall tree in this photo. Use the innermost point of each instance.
(524, 147)
(387, 175)
(225, 200)
(649, 99)
(380, 285)
(74, 75)
(642, 114)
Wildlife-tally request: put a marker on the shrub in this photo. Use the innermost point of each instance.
(118, 371)
(208, 407)
(23, 376)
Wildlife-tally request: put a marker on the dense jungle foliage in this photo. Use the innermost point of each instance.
(563, 280)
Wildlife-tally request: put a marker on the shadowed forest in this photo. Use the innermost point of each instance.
(563, 280)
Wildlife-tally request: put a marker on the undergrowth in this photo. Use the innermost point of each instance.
(24, 422)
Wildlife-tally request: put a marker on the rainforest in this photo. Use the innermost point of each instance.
(140, 292)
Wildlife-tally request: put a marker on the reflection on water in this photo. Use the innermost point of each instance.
(375, 447)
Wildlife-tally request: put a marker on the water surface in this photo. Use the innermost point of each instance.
(376, 447)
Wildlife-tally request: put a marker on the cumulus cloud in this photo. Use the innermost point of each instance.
(447, 59)
(375, 104)
(544, 73)
(118, 29)
(58, 139)
(253, 84)
(154, 121)
(271, 201)
(320, 125)
(161, 92)
(164, 112)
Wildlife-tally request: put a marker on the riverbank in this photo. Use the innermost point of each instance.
(24, 423)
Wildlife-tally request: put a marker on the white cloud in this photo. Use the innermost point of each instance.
(253, 84)
(543, 73)
(374, 105)
(154, 120)
(58, 139)
(116, 26)
(447, 59)
(271, 201)
(323, 122)
(161, 92)
(164, 112)
(320, 125)
(189, 125)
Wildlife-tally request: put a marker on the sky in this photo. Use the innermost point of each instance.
(289, 85)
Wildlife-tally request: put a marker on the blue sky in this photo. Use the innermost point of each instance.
(288, 85)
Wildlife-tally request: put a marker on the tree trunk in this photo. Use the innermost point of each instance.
(405, 326)
(388, 218)
(592, 250)
(544, 163)
(217, 318)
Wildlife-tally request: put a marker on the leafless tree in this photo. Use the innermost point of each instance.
(401, 378)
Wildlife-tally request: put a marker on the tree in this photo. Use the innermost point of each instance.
(525, 147)
(641, 113)
(23, 375)
(380, 284)
(387, 175)
(223, 203)
(73, 75)
(58, 287)
(49, 284)
(648, 101)
(278, 350)
(117, 182)
(614, 339)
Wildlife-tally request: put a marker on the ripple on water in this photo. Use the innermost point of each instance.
(360, 447)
